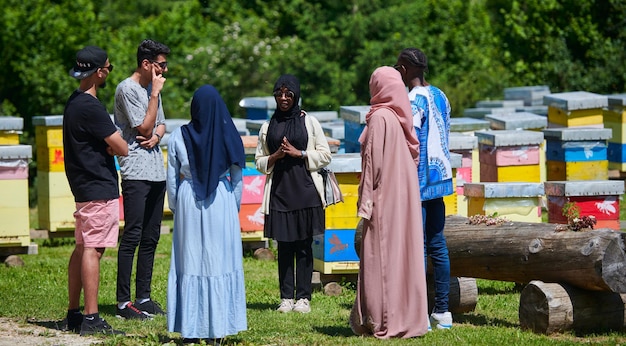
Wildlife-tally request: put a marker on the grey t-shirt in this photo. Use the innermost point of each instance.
(131, 105)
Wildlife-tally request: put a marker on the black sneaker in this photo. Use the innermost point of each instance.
(130, 312)
(150, 307)
(98, 326)
(74, 321)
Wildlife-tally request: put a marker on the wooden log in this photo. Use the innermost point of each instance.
(522, 252)
(463, 294)
(548, 308)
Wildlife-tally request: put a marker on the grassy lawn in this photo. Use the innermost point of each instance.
(38, 291)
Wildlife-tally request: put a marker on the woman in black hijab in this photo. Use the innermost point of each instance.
(292, 147)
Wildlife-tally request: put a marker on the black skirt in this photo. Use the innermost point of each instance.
(295, 225)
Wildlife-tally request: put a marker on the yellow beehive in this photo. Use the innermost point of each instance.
(56, 213)
(579, 117)
(521, 209)
(344, 215)
(577, 170)
(55, 201)
(348, 267)
(53, 184)
(50, 159)
(529, 173)
(514, 201)
(14, 213)
(450, 201)
(49, 136)
(9, 138)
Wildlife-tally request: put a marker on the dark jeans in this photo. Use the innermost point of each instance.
(303, 253)
(143, 212)
(435, 247)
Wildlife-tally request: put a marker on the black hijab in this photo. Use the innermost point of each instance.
(212, 141)
(293, 127)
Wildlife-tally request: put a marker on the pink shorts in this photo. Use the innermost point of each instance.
(97, 223)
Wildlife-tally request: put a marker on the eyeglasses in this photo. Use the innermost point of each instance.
(162, 64)
(110, 67)
(288, 94)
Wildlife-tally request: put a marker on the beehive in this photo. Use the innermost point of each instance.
(354, 123)
(10, 130)
(469, 171)
(514, 201)
(575, 109)
(334, 251)
(576, 153)
(14, 211)
(509, 155)
(598, 198)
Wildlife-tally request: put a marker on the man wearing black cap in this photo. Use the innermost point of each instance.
(90, 140)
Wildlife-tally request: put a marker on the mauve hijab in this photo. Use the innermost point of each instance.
(212, 141)
(387, 90)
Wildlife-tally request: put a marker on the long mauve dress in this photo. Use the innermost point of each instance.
(391, 299)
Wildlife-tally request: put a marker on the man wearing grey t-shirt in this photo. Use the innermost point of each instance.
(139, 115)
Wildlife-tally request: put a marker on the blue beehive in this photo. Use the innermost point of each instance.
(576, 144)
(354, 123)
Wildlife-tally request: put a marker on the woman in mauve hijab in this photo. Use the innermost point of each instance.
(206, 297)
(291, 149)
(391, 298)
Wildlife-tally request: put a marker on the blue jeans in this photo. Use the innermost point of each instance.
(435, 247)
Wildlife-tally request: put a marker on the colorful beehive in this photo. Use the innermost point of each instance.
(615, 119)
(509, 155)
(14, 211)
(469, 171)
(522, 121)
(575, 109)
(531, 95)
(451, 201)
(598, 198)
(577, 153)
(514, 201)
(55, 202)
(10, 130)
(468, 125)
(251, 218)
(49, 141)
(333, 251)
(354, 122)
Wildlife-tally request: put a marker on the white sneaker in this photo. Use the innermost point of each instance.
(441, 320)
(302, 306)
(286, 305)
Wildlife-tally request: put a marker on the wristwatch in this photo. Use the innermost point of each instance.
(303, 152)
(158, 136)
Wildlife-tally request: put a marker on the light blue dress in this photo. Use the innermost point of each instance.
(205, 293)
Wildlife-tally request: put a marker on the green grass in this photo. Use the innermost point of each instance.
(38, 291)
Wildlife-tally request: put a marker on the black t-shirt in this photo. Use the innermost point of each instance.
(90, 170)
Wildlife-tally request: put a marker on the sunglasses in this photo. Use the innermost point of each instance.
(162, 64)
(110, 67)
(288, 94)
(397, 67)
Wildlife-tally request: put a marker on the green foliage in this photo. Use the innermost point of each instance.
(475, 48)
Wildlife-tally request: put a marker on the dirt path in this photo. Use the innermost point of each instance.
(21, 333)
